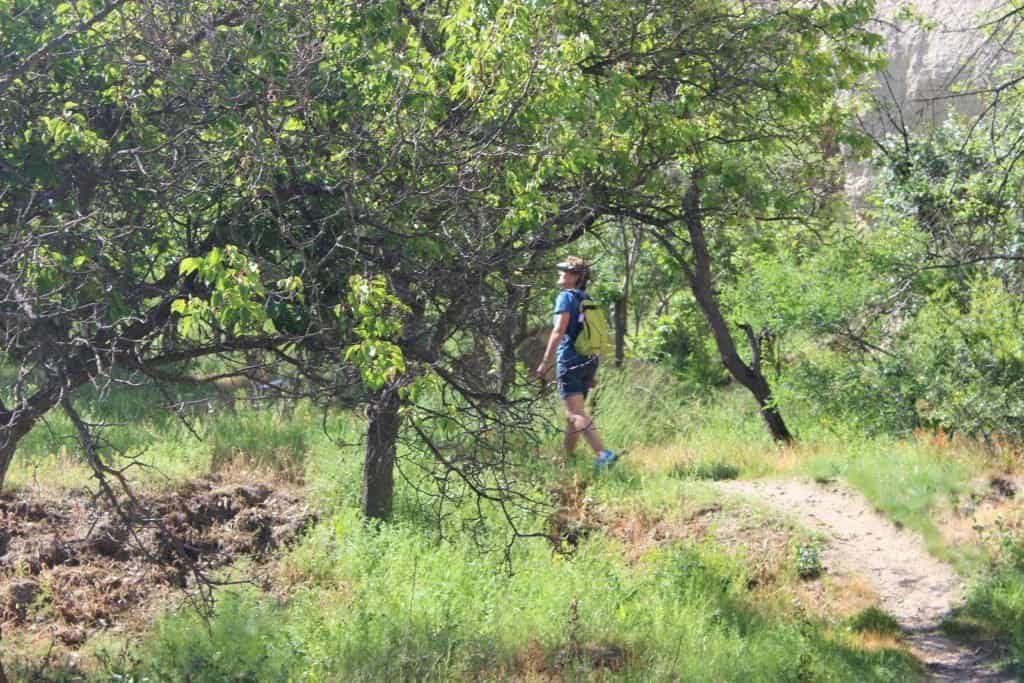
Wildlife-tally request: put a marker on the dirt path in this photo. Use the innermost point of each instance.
(916, 588)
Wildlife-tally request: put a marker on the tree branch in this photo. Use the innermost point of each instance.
(43, 51)
(755, 347)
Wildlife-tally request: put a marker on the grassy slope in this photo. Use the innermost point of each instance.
(396, 603)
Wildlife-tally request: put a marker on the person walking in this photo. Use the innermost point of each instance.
(576, 374)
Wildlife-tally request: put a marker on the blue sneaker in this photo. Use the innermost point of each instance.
(605, 458)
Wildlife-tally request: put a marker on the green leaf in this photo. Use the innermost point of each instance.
(189, 265)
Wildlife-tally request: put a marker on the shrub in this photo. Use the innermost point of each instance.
(714, 470)
(874, 620)
(807, 560)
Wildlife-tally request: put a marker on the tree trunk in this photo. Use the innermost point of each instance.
(3, 676)
(513, 326)
(379, 465)
(630, 254)
(703, 290)
(7, 446)
(14, 424)
(621, 321)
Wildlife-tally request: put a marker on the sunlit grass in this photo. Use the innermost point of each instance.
(425, 599)
(394, 604)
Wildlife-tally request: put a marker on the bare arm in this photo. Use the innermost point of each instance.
(557, 332)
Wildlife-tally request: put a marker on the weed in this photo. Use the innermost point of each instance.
(874, 620)
(807, 560)
(714, 471)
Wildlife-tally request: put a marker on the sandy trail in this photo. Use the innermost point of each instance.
(916, 588)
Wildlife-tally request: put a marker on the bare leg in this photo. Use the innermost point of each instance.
(580, 423)
(572, 437)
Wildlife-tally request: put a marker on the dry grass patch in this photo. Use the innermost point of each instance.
(869, 641)
(832, 598)
(71, 567)
(641, 532)
(749, 459)
(995, 510)
(536, 664)
(55, 471)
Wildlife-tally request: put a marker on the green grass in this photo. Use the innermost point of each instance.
(995, 604)
(639, 407)
(418, 599)
(713, 470)
(874, 620)
(909, 482)
(396, 604)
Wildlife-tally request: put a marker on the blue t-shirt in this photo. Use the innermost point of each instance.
(568, 302)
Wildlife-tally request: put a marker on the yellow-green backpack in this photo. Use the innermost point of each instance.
(595, 337)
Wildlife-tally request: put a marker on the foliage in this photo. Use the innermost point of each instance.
(681, 341)
(913, 321)
(378, 317)
(968, 360)
(807, 560)
(307, 210)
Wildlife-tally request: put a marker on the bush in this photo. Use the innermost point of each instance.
(874, 620)
(682, 342)
(807, 560)
(969, 361)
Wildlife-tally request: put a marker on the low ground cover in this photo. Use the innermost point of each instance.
(643, 573)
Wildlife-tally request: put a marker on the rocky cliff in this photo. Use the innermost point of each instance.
(927, 60)
(924, 64)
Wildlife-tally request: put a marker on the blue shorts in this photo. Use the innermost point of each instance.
(577, 380)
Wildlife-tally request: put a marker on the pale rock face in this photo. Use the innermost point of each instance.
(915, 87)
(924, 64)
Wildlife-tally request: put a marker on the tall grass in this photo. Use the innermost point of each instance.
(423, 599)
(396, 604)
(910, 482)
(995, 606)
(639, 406)
(401, 602)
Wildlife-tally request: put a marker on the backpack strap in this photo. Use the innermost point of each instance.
(580, 298)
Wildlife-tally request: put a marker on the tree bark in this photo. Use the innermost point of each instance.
(11, 431)
(702, 285)
(630, 253)
(381, 444)
(17, 422)
(3, 675)
(620, 330)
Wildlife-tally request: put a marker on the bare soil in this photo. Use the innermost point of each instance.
(917, 589)
(71, 566)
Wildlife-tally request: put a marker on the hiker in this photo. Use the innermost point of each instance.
(576, 374)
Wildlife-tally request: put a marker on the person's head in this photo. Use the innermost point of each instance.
(573, 272)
